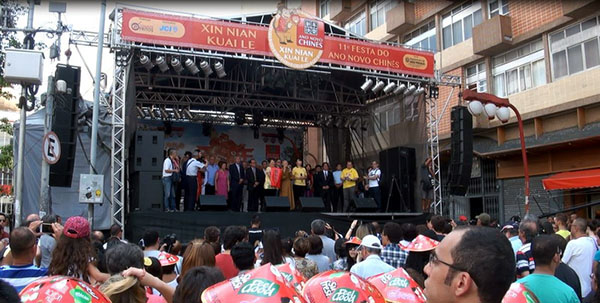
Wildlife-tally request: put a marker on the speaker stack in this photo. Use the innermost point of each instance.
(148, 156)
(398, 163)
(461, 158)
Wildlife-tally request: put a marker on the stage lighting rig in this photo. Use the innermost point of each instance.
(419, 91)
(140, 112)
(220, 69)
(411, 90)
(146, 62)
(388, 88)
(161, 62)
(380, 84)
(163, 113)
(400, 89)
(176, 114)
(191, 66)
(434, 91)
(188, 114)
(205, 67)
(365, 87)
(176, 64)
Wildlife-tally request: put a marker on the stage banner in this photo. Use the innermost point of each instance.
(295, 38)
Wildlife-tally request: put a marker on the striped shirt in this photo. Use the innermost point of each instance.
(20, 276)
(525, 260)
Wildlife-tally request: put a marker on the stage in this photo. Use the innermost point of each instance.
(190, 225)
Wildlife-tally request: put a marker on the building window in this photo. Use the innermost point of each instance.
(358, 24)
(498, 7)
(575, 48)
(377, 11)
(476, 77)
(519, 69)
(323, 8)
(457, 25)
(422, 38)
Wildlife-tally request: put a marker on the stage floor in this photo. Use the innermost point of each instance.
(191, 225)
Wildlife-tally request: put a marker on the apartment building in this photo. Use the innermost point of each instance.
(543, 55)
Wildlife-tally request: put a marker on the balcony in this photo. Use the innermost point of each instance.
(492, 36)
(340, 10)
(400, 18)
(579, 8)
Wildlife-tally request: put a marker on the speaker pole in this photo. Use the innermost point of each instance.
(45, 178)
(94, 143)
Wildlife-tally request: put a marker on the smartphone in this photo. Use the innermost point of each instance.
(46, 228)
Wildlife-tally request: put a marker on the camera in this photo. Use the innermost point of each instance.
(168, 241)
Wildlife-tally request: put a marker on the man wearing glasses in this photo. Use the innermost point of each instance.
(471, 264)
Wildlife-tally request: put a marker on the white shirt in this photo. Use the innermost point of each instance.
(374, 172)
(192, 167)
(579, 255)
(371, 266)
(167, 165)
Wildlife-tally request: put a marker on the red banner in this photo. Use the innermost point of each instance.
(154, 28)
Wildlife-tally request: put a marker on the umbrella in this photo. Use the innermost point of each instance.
(293, 276)
(265, 284)
(398, 287)
(61, 289)
(421, 244)
(517, 293)
(340, 287)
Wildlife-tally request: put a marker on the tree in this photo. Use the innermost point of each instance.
(6, 152)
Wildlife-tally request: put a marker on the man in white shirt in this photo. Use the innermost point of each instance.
(374, 177)
(167, 180)
(317, 227)
(372, 265)
(191, 174)
(579, 254)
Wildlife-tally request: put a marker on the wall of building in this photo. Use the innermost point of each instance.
(445, 92)
(514, 199)
(527, 15)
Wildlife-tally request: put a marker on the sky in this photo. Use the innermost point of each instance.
(85, 15)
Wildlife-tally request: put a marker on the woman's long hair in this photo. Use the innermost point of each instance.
(71, 257)
(121, 289)
(273, 252)
(197, 253)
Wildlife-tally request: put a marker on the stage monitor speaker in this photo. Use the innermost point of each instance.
(461, 148)
(277, 203)
(312, 204)
(147, 191)
(364, 204)
(64, 124)
(213, 202)
(398, 164)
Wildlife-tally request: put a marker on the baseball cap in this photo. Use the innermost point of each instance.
(484, 217)
(371, 241)
(353, 240)
(510, 225)
(463, 218)
(77, 227)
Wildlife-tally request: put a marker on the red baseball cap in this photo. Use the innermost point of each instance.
(77, 227)
(462, 218)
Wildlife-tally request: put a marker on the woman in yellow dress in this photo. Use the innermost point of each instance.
(286, 183)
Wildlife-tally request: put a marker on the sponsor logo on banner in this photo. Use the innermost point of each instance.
(156, 27)
(344, 295)
(295, 38)
(399, 282)
(260, 288)
(415, 61)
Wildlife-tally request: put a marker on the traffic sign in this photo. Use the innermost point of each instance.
(51, 148)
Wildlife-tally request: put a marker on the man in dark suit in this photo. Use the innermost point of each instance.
(325, 185)
(236, 185)
(254, 175)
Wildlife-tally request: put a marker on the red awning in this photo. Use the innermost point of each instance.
(573, 180)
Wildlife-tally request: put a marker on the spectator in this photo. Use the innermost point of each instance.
(364, 230)
(561, 221)
(223, 261)
(306, 266)
(74, 251)
(409, 232)
(4, 224)
(243, 257)
(547, 228)
(511, 231)
(594, 295)
(372, 265)
(525, 263)
(198, 253)
(8, 294)
(169, 275)
(438, 224)
(151, 243)
(542, 282)
(564, 272)
(471, 264)
(579, 254)
(315, 253)
(317, 227)
(483, 219)
(116, 235)
(273, 252)
(153, 267)
(212, 235)
(255, 233)
(195, 282)
(347, 253)
(287, 245)
(23, 249)
(47, 243)
(391, 253)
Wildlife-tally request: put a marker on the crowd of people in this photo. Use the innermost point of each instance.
(245, 184)
(555, 259)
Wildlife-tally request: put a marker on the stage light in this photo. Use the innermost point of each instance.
(188, 114)
(355, 123)
(191, 67)
(205, 66)
(163, 113)
(411, 90)
(400, 89)
(146, 62)
(220, 69)
(161, 62)
(347, 123)
(365, 87)
(329, 121)
(176, 64)
(380, 84)
(434, 92)
(419, 91)
(475, 107)
(388, 88)
(152, 113)
(140, 112)
(503, 114)
(339, 121)
(490, 110)
(176, 114)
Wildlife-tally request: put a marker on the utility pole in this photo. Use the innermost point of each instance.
(94, 143)
(45, 177)
(22, 123)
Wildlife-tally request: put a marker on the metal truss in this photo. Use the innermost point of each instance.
(87, 38)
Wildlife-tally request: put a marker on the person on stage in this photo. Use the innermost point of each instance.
(325, 185)
(222, 180)
(256, 179)
(349, 177)
(308, 192)
(426, 185)
(373, 178)
(299, 175)
(211, 171)
(272, 179)
(194, 166)
(237, 177)
(183, 184)
(338, 194)
(286, 183)
(170, 166)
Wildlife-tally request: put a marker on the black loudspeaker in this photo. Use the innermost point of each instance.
(398, 164)
(213, 202)
(277, 203)
(312, 204)
(461, 158)
(147, 191)
(64, 124)
(364, 204)
(148, 151)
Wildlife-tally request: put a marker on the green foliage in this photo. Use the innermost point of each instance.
(6, 152)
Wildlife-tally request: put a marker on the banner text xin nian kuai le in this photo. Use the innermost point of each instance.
(146, 27)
